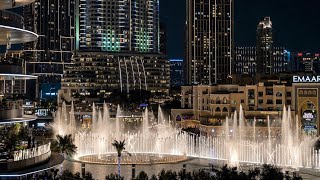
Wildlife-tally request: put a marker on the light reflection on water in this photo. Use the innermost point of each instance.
(99, 172)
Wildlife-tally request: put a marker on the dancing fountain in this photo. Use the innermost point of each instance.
(163, 143)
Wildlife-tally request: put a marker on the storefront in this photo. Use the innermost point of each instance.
(307, 101)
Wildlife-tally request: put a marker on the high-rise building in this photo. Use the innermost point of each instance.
(117, 48)
(163, 38)
(53, 21)
(280, 59)
(176, 72)
(118, 25)
(245, 60)
(264, 58)
(209, 41)
(264, 47)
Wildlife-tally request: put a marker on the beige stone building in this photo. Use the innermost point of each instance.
(206, 107)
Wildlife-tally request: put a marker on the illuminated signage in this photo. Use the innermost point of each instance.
(308, 116)
(306, 79)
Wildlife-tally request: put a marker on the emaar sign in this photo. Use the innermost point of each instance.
(306, 79)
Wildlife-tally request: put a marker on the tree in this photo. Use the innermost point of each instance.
(67, 175)
(270, 172)
(185, 175)
(88, 176)
(167, 175)
(201, 174)
(296, 176)
(142, 176)
(11, 139)
(119, 147)
(254, 173)
(64, 145)
(153, 177)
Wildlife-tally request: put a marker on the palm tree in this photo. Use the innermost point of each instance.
(65, 146)
(119, 147)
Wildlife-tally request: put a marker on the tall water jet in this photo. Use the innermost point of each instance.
(254, 129)
(227, 131)
(58, 124)
(118, 122)
(284, 126)
(106, 119)
(94, 118)
(289, 128)
(145, 122)
(297, 130)
(161, 120)
(100, 125)
(72, 126)
(64, 112)
(242, 127)
(269, 153)
(235, 125)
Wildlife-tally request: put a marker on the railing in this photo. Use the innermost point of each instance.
(31, 153)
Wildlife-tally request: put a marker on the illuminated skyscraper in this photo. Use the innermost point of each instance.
(265, 47)
(209, 41)
(117, 48)
(53, 21)
(118, 25)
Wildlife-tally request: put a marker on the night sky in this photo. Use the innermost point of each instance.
(296, 23)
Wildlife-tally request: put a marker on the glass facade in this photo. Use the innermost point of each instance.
(209, 42)
(118, 25)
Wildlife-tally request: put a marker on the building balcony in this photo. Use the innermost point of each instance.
(12, 30)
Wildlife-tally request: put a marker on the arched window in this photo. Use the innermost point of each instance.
(178, 118)
(279, 94)
(218, 109)
(218, 100)
(224, 100)
(225, 109)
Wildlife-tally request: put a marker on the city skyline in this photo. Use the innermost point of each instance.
(289, 21)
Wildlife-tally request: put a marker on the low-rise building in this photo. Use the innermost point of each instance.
(210, 105)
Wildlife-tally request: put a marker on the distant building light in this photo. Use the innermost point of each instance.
(50, 94)
(176, 60)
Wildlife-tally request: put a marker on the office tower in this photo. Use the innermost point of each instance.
(209, 41)
(245, 60)
(264, 47)
(176, 72)
(118, 25)
(163, 38)
(280, 58)
(53, 21)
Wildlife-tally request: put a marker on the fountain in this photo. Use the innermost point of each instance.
(163, 143)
